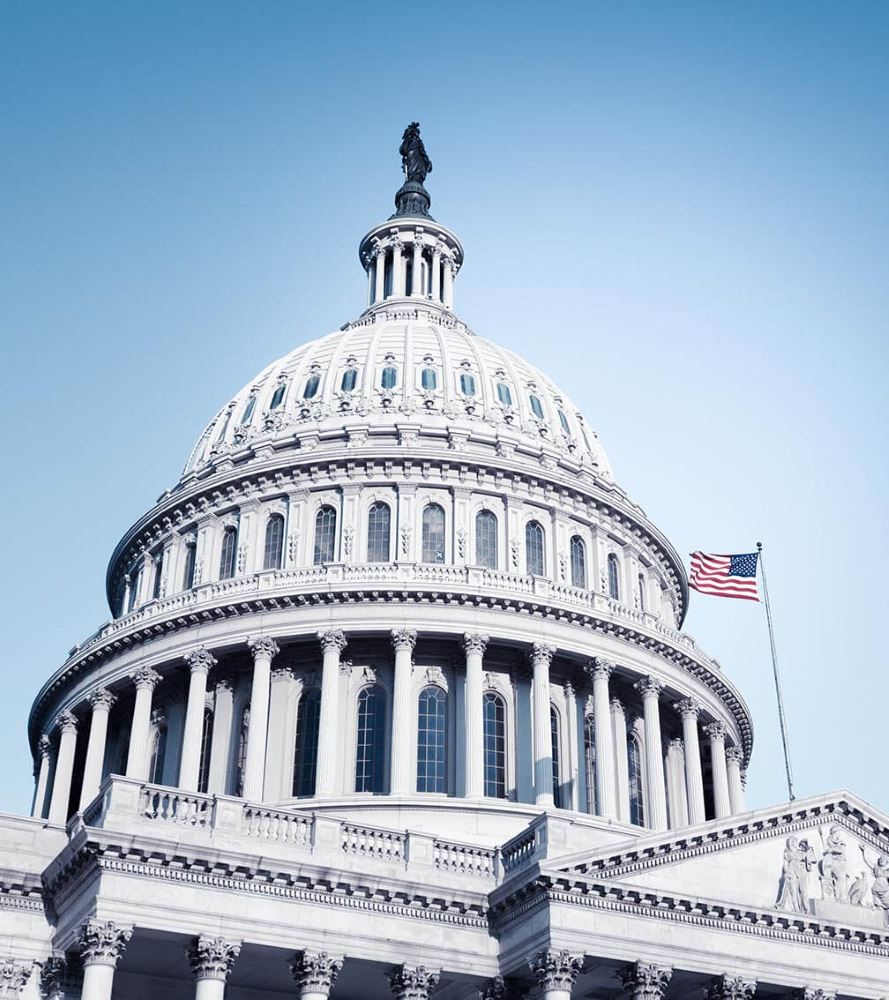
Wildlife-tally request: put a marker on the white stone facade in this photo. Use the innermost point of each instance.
(395, 703)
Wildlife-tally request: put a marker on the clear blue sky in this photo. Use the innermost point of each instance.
(678, 210)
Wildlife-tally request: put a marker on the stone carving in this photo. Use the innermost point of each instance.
(263, 645)
(211, 957)
(598, 667)
(499, 988)
(315, 972)
(242, 557)
(461, 542)
(474, 642)
(435, 675)
(67, 722)
(412, 982)
(13, 977)
(879, 869)
(731, 988)
(649, 687)
(102, 699)
(58, 979)
(688, 706)
(555, 970)
(645, 981)
(102, 942)
(540, 651)
(348, 538)
(833, 868)
(200, 660)
(734, 754)
(563, 566)
(404, 638)
(514, 551)
(332, 638)
(715, 730)
(292, 543)
(145, 677)
(405, 539)
(799, 860)
(44, 745)
(568, 689)
(814, 993)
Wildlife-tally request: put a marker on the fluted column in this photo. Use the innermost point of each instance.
(599, 671)
(676, 797)
(621, 765)
(436, 274)
(644, 981)
(734, 757)
(541, 657)
(145, 680)
(220, 742)
(101, 702)
(417, 266)
(61, 786)
(200, 661)
(555, 972)
(404, 641)
(264, 649)
(474, 645)
(398, 269)
(731, 988)
(314, 974)
(573, 799)
(101, 945)
(44, 752)
(689, 710)
(13, 977)
(380, 274)
(333, 642)
(721, 799)
(654, 753)
(447, 295)
(211, 960)
(413, 982)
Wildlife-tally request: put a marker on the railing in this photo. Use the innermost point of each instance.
(519, 851)
(367, 842)
(278, 826)
(464, 859)
(168, 805)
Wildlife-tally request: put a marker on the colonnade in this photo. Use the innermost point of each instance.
(391, 254)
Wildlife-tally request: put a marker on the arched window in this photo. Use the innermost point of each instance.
(467, 384)
(534, 549)
(641, 585)
(278, 396)
(613, 577)
(589, 759)
(247, 415)
(312, 383)
(486, 539)
(432, 720)
(228, 560)
(503, 394)
(274, 542)
(325, 535)
(157, 753)
(429, 379)
(634, 773)
(158, 576)
(433, 534)
(241, 760)
(563, 420)
(305, 757)
(379, 520)
(206, 745)
(135, 581)
(223, 427)
(556, 748)
(350, 377)
(371, 738)
(536, 406)
(190, 565)
(495, 745)
(388, 378)
(578, 562)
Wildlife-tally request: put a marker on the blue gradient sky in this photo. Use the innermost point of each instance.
(678, 210)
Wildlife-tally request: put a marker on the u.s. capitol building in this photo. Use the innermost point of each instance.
(395, 703)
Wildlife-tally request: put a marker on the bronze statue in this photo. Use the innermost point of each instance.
(414, 160)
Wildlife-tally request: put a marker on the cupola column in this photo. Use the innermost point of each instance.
(689, 709)
(61, 786)
(145, 680)
(200, 661)
(314, 974)
(101, 945)
(436, 274)
(721, 799)
(400, 767)
(417, 290)
(333, 642)
(380, 273)
(44, 751)
(600, 671)
(101, 702)
(733, 759)
(541, 657)
(654, 754)
(264, 650)
(447, 295)
(474, 645)
(211, 960)
(398, 268)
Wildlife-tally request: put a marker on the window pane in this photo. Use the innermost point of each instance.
(434, 534)
(241, 761)
(190, 562)
(536, 407)
(534, 553)
(578, 562)
(589, 754)
(495, 746)
(370, 741)
(634, 769)
(613, 579)
(349, 378)
(557, 781)
(563, 420)
(158, 755)
(305, 759)
(206, 741)
(389, 378)
(311, 386)
(325, 535)
(467, 384)
(248, 410)
(486, 539)
(158, 576)
(431, 741)
(641, 592)
(428, 379)
(274, 542)
(503, 394)
(378, 521)
(223, 427)
(278, 396)
(228, 560)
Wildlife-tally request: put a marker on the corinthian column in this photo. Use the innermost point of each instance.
(721, 800)
(621, 770)
(380, 274)
(61, 786)
(555, 972)
(447, 295)
(400, 762)
(333, 642)
(101, 945)
(211, 960)
(541, 657)
(475, 646)
(731, 988)
(689, 709)
(644, 981)
(200, 661)
(412, 982)
(13, 977)
(101, 702)
(600, 670)
(264, 649)
(654, 754)
(145, 680)
(417, 266)
(44, 752)
(314, 974)
(734, 757)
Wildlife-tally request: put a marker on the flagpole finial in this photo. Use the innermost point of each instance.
(759, 546)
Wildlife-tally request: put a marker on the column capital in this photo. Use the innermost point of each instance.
(44, 746)
(598, 668)
(731, 988)
(650, 687)
(58, 977)
(262, 645)
(412, 982)
(332, 638)
(498, 988)
(716, 730)
(67, 722)
(676, 745)
(200, 660)
(102, 942)
(555, 970)
(212, 957)
(617, 706)
(688, 706)
(102, 699)
(814, 993)
(734, 754)
(404, 638)
(13, 977)
(145, 677)
(541, 652)
(283, 673)
(315, 971)
(646, 981)
(475, 642)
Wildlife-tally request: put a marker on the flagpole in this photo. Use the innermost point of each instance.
(765, 594)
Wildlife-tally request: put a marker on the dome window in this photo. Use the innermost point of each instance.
(634, 774)
(535, 553)
(503, 394)
(224, 426)
(432, 728)
(494, 713)
(536, 407)
(563, 420)
(305, 757)
(370, 740)
(613, 577)
(247, 415)
(278, 396)
(467, 383)
(325, 536)
(433, 533)
(389, 377)
(428, 379)
(486, 539)
(556, 745)
(228, 559)
(273, 550)
(578, 562)
(311, 388)
(379, 519)
(350, 377)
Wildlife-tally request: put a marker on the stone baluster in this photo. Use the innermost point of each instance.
(621, 768)
(211, 960)
(541, 657)
(689, 710)
(101, 945)
(474, 646)
(734, 757)
(654, 754)
(13, 977)
(200, 661)
(61, 786)
(555, 972)
(731, 988)
(380, 274)
(333, 642)
(721, 799)
(146, 680)
(599, 671)
(404, 641)
(314, 974)
(101, 702)
(413, 982)
(45, 753)
(644, 981)
(264, 649)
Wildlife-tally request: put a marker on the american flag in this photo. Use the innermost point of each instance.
(725, 576)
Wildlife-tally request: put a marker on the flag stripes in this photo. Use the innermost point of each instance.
(725, 575)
